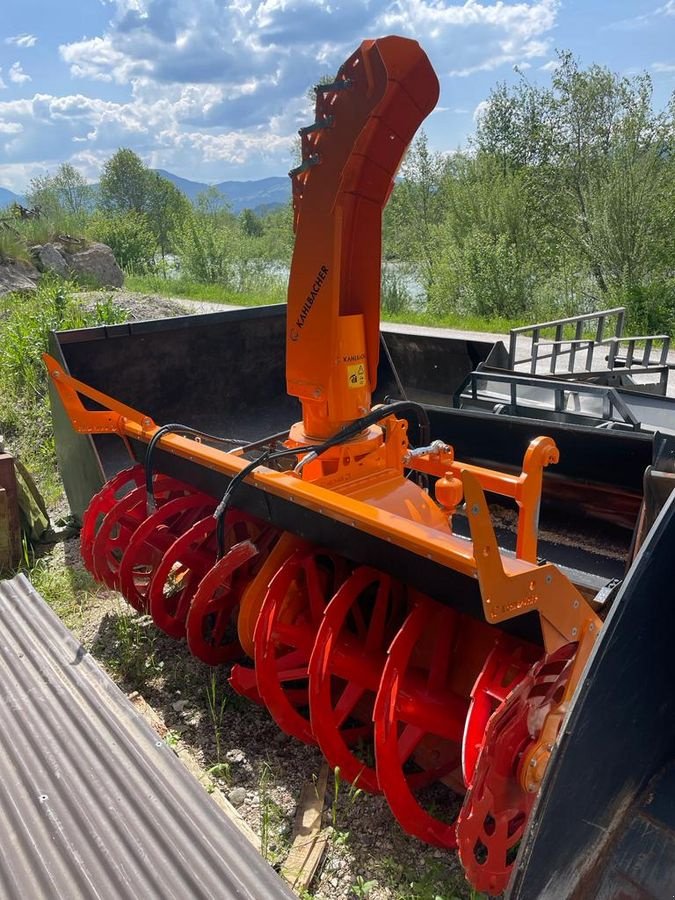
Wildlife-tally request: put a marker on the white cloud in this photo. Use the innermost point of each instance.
(212, 87)
(179, 41)
(17, 74)
(2, 83)
(550, 66)
(634, 23)
(22, 40)
(663, 67)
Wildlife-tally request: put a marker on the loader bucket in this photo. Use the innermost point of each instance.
(222, 372)
(604, 823)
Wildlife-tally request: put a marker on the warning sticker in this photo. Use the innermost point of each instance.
(356, 376)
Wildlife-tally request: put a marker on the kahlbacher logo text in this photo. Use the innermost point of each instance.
(309, 303)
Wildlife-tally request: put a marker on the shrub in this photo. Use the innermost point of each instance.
(130, 238)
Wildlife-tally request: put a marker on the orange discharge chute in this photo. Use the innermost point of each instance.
(364, 122)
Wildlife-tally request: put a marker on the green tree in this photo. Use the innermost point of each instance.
(124, 183)
(250, 223)
(166, 208)
(65, 193)
(415, 209)
(596, 168)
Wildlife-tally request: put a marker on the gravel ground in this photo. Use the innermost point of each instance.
(257, 767)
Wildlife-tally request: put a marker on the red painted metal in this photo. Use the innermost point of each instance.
(101, 504)
(349, 654)
(150, 541)
(419, 718)
(178, 574)
(116, 529)
(504, 668)
(496, 808)
(207, 613)
(285, 634)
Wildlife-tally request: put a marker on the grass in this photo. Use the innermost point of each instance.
(25, 322)
(216, 709)
(12, 246)
(184, 288)
(212, 293)
(65, 588)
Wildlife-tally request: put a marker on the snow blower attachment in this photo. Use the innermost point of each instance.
(413, 657)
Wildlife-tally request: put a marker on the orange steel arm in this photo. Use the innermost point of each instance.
(443, 548)
(524, 488)
(364, 123)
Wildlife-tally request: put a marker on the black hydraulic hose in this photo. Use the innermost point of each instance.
(172, 429)
(375, 415)
(340, 437)
(344, 434)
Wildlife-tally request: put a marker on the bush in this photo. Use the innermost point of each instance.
(650, 307)
(395, 295)
(25, 322)
(130, 238)
(205, 249)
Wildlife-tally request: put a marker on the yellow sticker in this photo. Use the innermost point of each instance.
(356, 376)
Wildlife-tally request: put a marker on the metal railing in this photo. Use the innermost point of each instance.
(565, 399)
(580, 323)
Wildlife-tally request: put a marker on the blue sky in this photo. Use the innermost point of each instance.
(215, 89)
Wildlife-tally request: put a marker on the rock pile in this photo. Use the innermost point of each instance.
(92, 262)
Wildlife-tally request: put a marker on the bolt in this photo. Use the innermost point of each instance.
(475, 509)
(533, 763)
(549, 579)
(574, 632)
(576, 604)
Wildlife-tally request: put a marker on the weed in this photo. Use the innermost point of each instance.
(135, 647)
(171, 738)
(341, 836)
(274, 828)
(263, 791)
(432, 880)
(220, 770)
(25, 323)
(216, 711)
(361, 887)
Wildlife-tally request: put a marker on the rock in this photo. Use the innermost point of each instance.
(96, 262)
(50, 259)
(237, 796)
(180, 705)
(17, 276)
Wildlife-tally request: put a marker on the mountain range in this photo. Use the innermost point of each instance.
(260, 195)
(7, 197)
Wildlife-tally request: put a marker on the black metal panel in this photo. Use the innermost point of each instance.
(433, 363)
(619, 733)
(599, 474)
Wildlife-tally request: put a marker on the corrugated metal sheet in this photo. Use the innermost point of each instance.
(92, 802)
